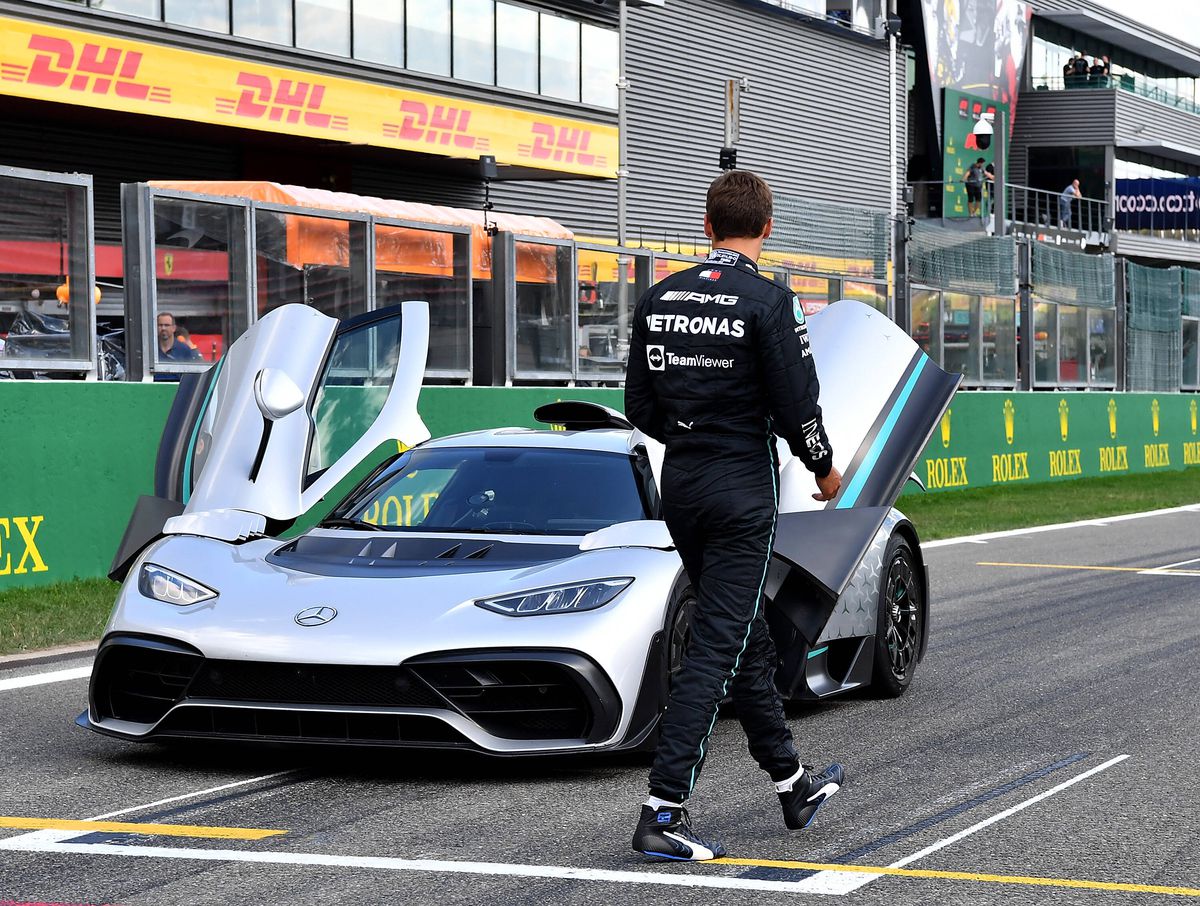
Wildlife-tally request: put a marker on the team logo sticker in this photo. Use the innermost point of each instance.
(656, 358)
(797, 310)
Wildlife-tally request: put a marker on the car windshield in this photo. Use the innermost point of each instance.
(508, 490)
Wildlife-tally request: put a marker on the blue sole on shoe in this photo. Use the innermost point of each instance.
(665, 856)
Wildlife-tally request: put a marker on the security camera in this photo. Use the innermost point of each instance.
(983, 131)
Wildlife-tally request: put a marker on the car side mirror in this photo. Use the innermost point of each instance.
(276, 394)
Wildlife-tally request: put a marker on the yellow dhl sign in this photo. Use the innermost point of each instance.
(70, 66)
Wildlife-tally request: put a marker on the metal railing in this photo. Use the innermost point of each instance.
(1025, 205)
(1047, 208)
(1121, 81)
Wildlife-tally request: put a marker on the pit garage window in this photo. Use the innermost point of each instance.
(972, 334)
(506, 490)
(1073, 345)
(48, 293)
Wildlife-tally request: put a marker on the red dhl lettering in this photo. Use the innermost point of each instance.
(60, 63)
(438, 124)
(285, 100)
(562, 144)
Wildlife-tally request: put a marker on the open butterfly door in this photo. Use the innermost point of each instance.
(294, 406)
(881, 399)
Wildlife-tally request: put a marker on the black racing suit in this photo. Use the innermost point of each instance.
(719, 362)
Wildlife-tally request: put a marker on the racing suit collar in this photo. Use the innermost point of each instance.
(731, 258)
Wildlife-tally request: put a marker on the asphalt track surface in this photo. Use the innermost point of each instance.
(1051, 733)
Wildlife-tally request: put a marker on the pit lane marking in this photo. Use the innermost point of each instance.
(39, 679)
(839, 882)
(1098, 522)
(127, 827)
(58, 836)
(558, 872)
(933, 874)
(1140, 570)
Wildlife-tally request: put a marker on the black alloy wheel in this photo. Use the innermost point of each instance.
(898, 626)
(679, 633)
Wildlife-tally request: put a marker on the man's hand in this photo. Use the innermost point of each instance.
(829, 485)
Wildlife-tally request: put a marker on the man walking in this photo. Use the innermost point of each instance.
(719, 362)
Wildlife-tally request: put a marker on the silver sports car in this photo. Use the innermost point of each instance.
(510, 591)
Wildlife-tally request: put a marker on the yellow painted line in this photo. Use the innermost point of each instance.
(157, 830)
(1151, 570)
(964, 876)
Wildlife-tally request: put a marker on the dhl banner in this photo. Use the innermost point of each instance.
(49, 63)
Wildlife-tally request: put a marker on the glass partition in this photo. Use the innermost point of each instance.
(433, 266)
(927, 321)
(542, 326)
(999, 346)
(1191, 354)
(312, 260)
(1072, 345)
(1045, 344)
(47, 288)
(873, 294)
(1102, 347)
(603, 315)
(961, 335)
(199, 282)
(815, 293)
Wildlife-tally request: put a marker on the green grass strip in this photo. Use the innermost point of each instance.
(951, 514)
(66, 612)
(47, 616)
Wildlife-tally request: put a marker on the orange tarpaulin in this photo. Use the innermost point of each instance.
(317, 240)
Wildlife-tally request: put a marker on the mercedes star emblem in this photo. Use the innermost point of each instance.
(315, 616)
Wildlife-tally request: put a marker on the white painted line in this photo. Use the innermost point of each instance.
(381, 863)
(38, 679)
(208, 792)
(1102, 522)
(41, 837)
(841, 883)
(1180, 563)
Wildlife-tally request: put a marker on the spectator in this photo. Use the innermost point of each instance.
(171, 347)
(1069, 194)
(1099, 72)
(1075, 73)
(989, 173)
(974, 183)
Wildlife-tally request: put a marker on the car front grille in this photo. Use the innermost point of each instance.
(515, 699)
(312, 684)
(322, 727)
(510, 695)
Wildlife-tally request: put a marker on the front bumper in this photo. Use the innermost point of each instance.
(504, 702)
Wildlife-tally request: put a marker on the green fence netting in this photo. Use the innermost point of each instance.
(845, 239)
(1073, 278)
(962, 261)
(1154, 350)
(1191, 292)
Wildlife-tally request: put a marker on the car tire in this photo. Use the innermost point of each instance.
(899, 622)
(678, 632)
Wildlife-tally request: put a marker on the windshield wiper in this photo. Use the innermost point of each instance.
(341, 522)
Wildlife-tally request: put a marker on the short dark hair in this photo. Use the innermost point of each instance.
(979, 161)
(739, 205)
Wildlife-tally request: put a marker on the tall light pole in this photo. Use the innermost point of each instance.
(623, 260)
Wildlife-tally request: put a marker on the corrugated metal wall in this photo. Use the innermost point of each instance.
(814, 122)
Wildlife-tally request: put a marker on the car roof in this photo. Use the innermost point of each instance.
(602, 440)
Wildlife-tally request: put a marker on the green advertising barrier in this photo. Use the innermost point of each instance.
(76, 455)
(990, 438)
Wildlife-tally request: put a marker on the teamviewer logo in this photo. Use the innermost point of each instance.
(656, 358)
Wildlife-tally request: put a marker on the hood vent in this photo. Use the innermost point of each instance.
(450, 553)
(479, 554)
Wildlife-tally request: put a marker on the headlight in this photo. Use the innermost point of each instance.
(560, 599)
(171, 588)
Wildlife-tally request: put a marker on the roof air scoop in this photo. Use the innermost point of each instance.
(577, 415)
